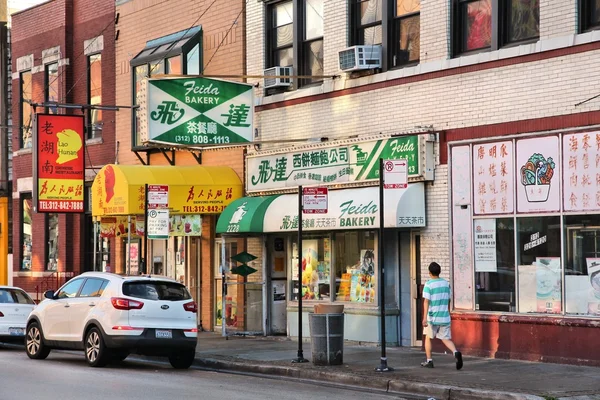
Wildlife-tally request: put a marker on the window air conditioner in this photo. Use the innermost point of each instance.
(277, 80)
(357, 58)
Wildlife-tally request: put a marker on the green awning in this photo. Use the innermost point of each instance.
(245, 215)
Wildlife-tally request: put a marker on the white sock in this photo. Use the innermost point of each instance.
(429, 360)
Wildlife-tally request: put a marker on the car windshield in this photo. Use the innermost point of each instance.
(14, 296)
(156, 290)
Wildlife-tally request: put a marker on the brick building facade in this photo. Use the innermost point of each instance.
(218, 29)
(62, 50)
(495, 89)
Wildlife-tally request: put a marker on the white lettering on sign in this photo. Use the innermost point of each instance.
(190, 87)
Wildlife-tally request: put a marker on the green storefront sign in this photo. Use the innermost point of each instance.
(351, 163)
(198, 111)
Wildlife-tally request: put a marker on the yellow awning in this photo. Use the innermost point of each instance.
(119, 189)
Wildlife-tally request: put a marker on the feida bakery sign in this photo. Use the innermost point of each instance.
(352, 208)
(352, 162)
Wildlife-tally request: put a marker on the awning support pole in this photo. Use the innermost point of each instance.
(223, 289)
(145, 263)
(129, 245)
(95, 255)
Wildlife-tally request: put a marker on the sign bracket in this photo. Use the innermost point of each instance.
(171, 159)
(144, 162)
(197, 157)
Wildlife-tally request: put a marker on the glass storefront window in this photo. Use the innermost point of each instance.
(582, 267)
(26, 233)
(540, 272)
(316, 267)
(355, 267)
(231, 249)
(495, 264)
(52, 241)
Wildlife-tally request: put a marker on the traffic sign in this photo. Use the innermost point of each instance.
(158, 196)
(395, 174)
(158, 212)
(314, 200)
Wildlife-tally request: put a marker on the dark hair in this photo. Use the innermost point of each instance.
(435, 269)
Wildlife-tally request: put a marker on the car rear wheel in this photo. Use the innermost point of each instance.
(182, 359)
(34, 342)
(96, 352)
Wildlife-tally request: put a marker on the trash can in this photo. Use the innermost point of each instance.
(327, 338)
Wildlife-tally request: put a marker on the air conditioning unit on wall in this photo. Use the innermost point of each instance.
(279, 77)
(358, 58)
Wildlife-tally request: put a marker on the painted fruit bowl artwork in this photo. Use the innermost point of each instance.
(536, 176)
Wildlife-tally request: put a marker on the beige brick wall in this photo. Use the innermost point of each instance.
(435, 30)
(143, 20)
(557, 18)
(335, 24)
(516, 92)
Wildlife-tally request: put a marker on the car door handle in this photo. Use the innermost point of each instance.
(67, 306)
(92, 304)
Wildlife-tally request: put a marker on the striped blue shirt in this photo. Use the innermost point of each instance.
(437, 291)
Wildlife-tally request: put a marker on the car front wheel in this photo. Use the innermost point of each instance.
(34, 342)
(96, 352)
(182, 359)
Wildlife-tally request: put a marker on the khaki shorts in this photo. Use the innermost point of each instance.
(438, 331)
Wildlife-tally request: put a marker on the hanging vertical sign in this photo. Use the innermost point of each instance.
(59, 163)
(158, 211)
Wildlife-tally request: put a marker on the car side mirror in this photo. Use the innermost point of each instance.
(49, 294)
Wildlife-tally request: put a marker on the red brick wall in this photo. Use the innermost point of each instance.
(64, 23)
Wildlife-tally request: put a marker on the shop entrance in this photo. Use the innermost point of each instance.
(278, 287)
(417, 290)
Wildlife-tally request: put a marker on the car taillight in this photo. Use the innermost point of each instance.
(191, 306)
(191, 330)
(126, 304)
(1, 315)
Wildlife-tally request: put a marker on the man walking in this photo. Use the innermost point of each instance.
(436, 315)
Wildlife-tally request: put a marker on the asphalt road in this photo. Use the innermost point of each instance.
(66, 376)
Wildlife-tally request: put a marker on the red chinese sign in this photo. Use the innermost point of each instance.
(60, 163)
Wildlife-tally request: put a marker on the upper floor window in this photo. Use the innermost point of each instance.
(589, 15)
(406, 38)
(25, 91)
(394, 24)
(368, 15)
(297, 44)
(52, 86)
(282, 35)
(179, 53)
(475, 21)
(95, 94)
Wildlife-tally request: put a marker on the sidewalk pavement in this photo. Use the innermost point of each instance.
(480, 378)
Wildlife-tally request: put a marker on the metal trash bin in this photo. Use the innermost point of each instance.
(327, 338)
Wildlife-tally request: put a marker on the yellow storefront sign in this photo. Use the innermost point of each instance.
(119, 189)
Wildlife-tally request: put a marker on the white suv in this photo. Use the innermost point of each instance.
(110, 316)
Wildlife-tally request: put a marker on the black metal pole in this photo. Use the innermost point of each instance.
(145, 263)
(383, 367)
(300, 358)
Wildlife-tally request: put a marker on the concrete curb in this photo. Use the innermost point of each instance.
(439, 392)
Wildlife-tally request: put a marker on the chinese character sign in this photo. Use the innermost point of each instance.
(538, 174)
(326, 165)
(199, 111)
(493, 178)
(60, 163)
(581, 166)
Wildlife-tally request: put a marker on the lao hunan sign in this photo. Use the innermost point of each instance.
(197, 112)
